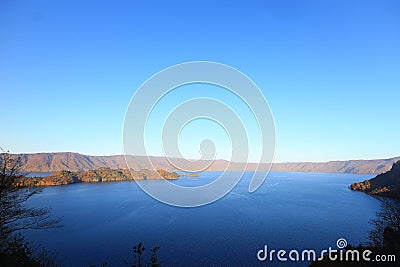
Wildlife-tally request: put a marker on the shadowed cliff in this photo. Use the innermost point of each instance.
(386, 184)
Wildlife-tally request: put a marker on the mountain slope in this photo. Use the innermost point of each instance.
(351, 166)
(386, 184)
(51, 162)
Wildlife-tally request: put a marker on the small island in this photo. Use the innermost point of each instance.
(386, 184)
(96, 176)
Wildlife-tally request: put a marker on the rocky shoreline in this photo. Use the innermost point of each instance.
(96, 176)
(386, 184)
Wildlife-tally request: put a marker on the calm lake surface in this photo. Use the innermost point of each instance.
(291, 210)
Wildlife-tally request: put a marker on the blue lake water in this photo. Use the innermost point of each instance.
(103, 221)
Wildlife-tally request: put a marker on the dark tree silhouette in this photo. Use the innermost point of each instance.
(154, 260)
(15, 215)
(138, 253)
(387, 221)
(384, 239)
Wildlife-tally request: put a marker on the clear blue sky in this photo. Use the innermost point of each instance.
(330, 70)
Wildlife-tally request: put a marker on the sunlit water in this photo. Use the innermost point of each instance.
(102, 221)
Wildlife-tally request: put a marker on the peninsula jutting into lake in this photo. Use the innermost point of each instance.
(96, 176)
(385, 184)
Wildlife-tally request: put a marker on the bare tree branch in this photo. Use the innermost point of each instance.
(15, 215)
(387, 216)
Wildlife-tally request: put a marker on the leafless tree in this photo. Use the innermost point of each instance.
(15, 215)
(388, 217)
(138, 254)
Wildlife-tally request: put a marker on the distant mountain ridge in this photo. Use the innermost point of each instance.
(52, 162)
